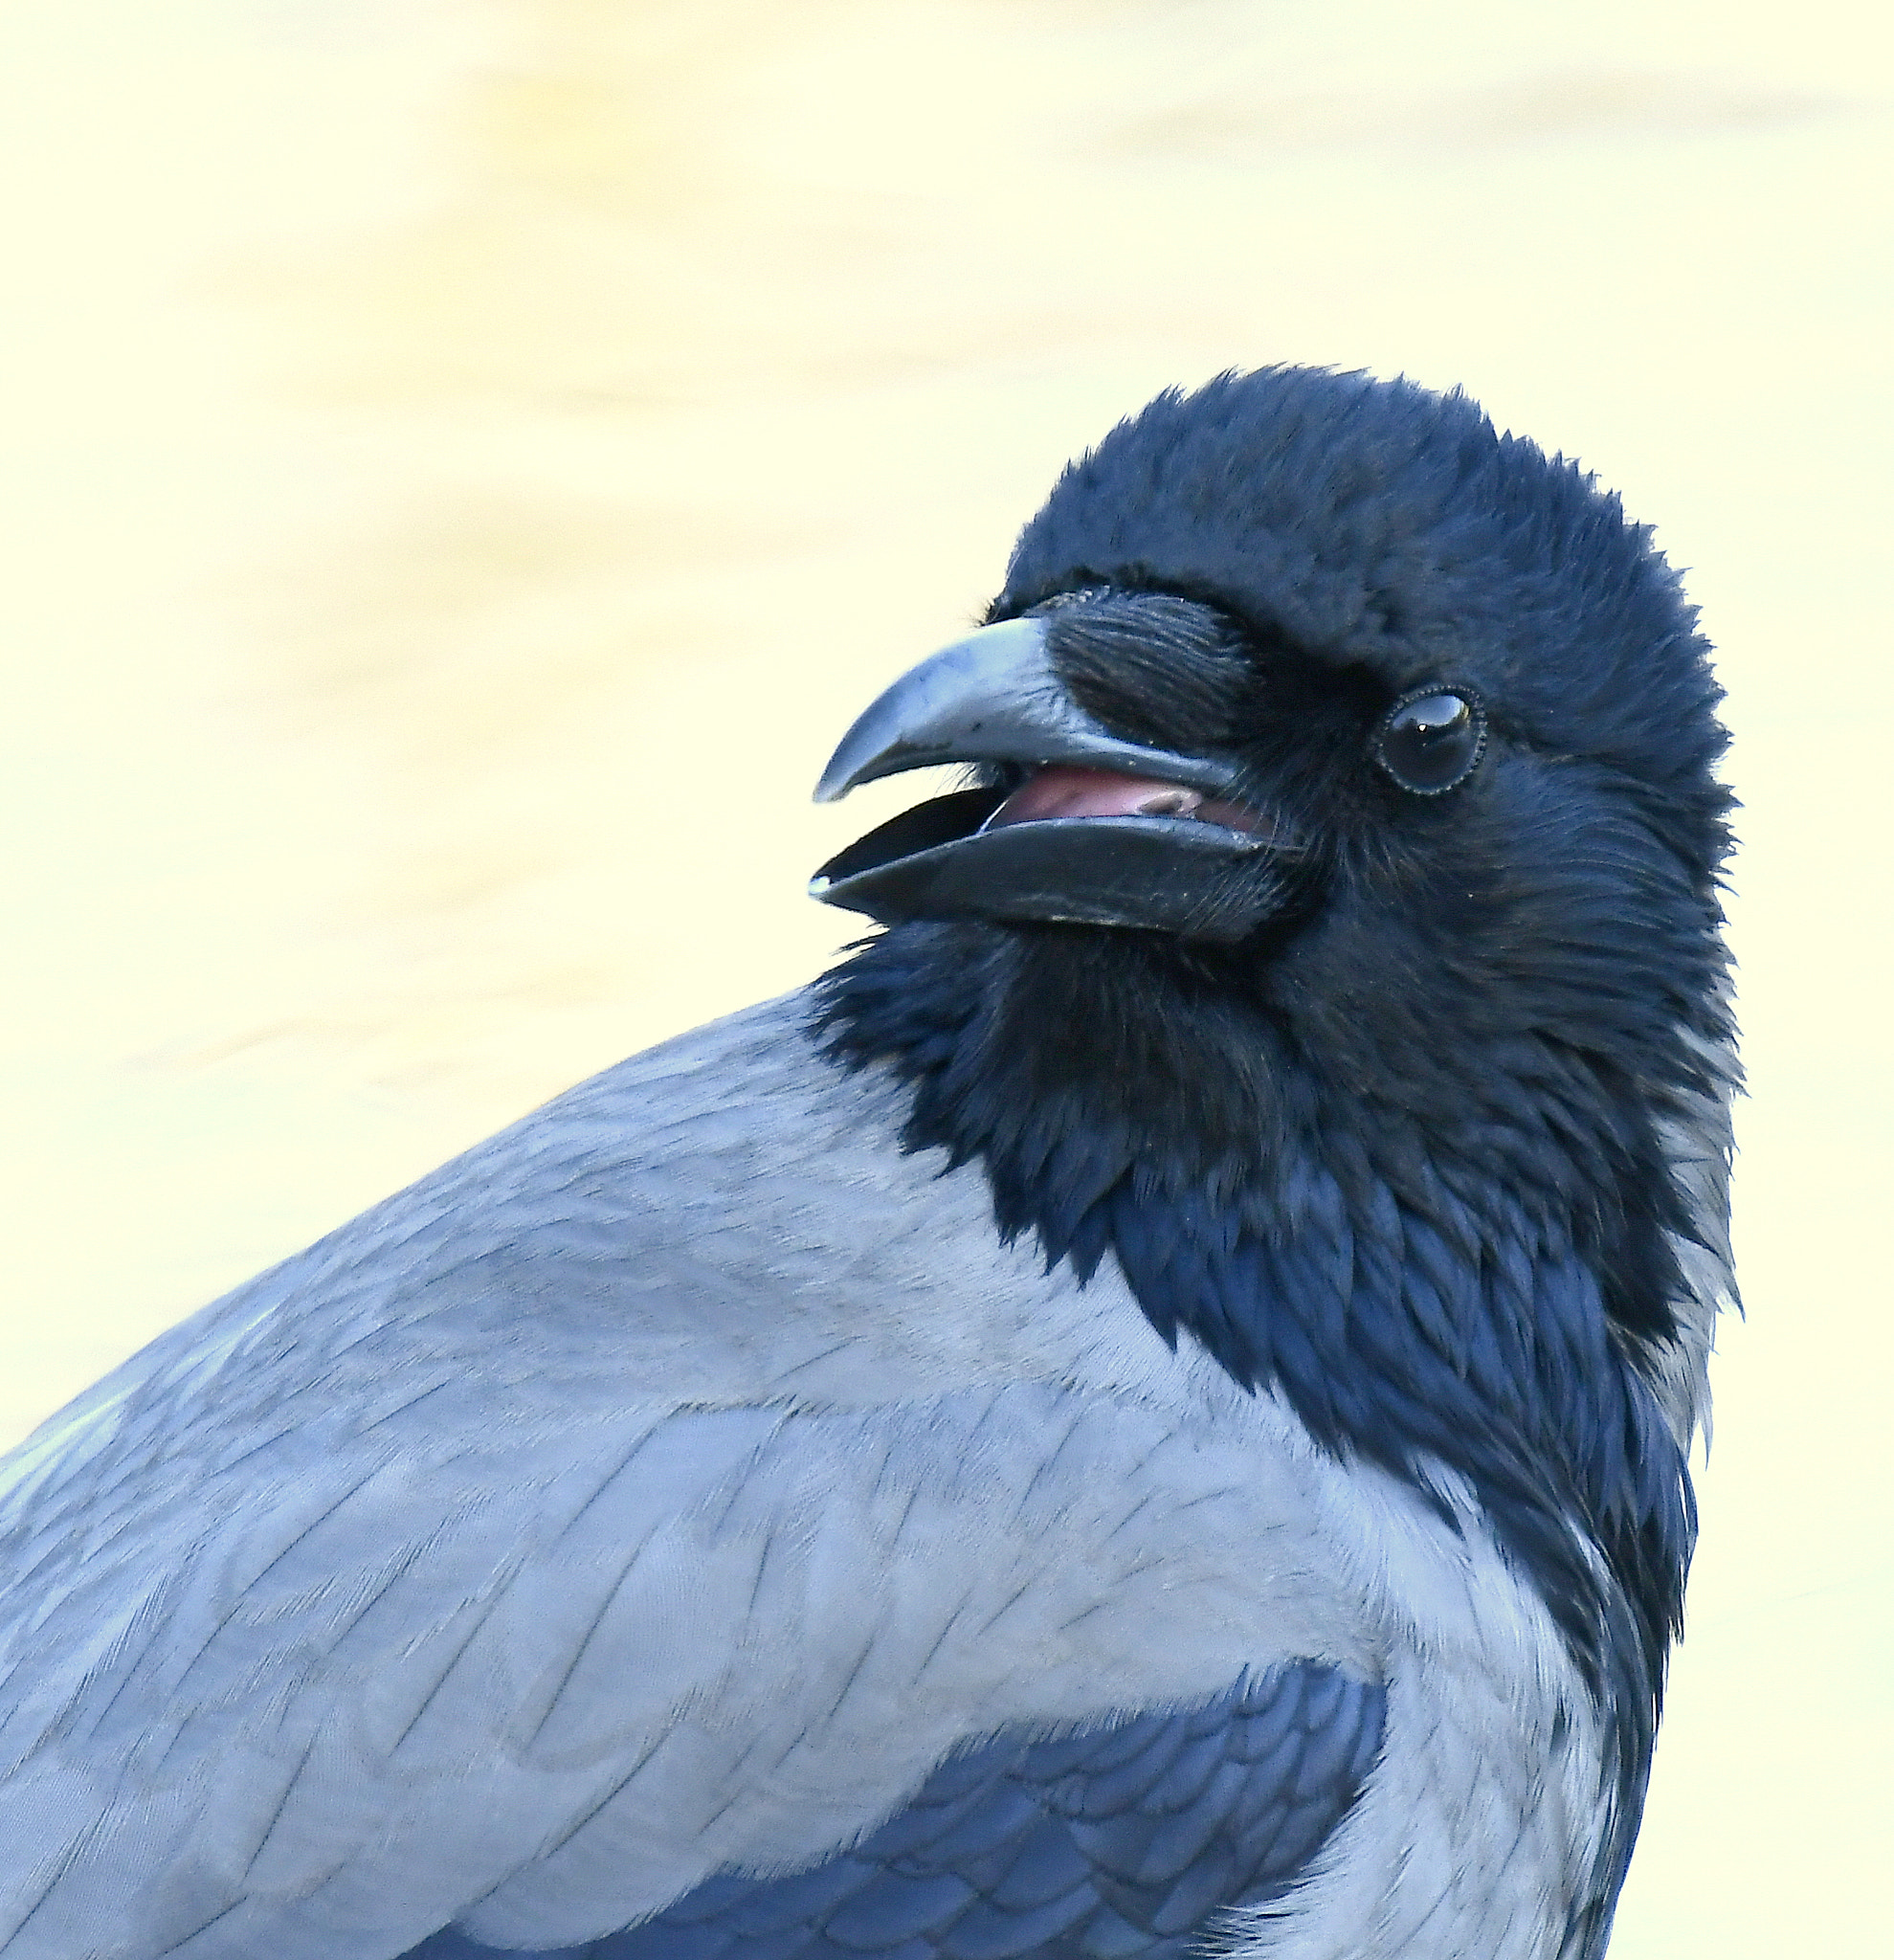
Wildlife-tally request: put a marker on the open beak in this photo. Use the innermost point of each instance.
(1099, 831)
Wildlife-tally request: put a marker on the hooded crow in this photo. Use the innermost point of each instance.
(1145, 1414)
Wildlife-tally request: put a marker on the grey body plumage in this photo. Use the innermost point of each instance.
(789, 1506)
(670, 1501)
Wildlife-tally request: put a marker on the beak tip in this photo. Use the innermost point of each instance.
(844, 771)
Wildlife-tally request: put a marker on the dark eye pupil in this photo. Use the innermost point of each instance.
(1431, 742)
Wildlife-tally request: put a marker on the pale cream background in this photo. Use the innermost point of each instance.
(464, 464)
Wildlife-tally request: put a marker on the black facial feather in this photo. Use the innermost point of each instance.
(1157, 670)
(1399, 1156)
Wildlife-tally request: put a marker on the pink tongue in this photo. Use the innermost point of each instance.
(1057, 791)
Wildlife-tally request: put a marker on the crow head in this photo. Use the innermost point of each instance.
(1332, 935)
(1321, 692)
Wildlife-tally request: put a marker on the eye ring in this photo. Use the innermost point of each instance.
(1425, 747)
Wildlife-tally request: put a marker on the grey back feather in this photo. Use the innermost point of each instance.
(667, 1484)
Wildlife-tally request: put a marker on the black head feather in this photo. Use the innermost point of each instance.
(1400, 1155)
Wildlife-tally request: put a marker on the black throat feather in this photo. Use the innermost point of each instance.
(1482, 1294)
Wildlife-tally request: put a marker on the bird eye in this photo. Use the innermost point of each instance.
(1430, 742)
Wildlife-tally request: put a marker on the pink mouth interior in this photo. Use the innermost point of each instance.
(1057, 791)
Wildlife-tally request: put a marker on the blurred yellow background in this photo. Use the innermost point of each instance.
(466, 463)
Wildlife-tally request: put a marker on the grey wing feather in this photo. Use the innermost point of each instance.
(683, 1440)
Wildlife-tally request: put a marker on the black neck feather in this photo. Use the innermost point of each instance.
(1467, 1301)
